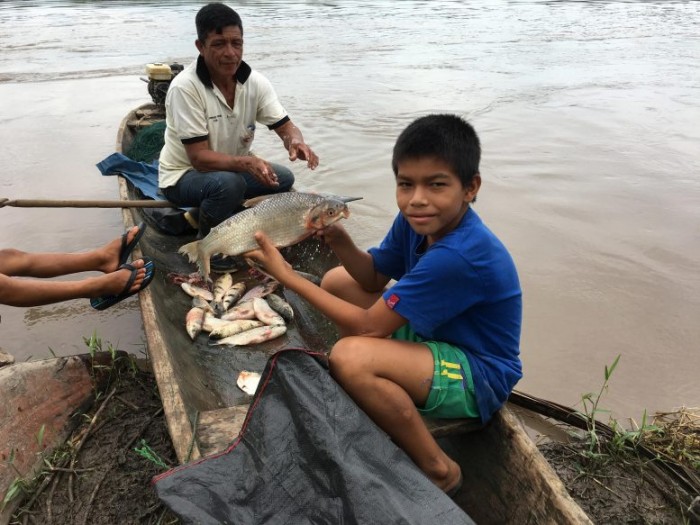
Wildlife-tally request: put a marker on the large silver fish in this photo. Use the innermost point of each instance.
(286, 218)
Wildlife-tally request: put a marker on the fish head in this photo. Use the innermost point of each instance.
(326, 213)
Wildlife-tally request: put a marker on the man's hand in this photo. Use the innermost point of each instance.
(299, 150)
(262, 171)
(294, 143)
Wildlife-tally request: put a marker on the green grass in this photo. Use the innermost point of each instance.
(145, 451)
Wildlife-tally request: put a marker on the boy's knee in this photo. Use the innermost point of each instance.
(337, 357)
(13, 262)
(345, 356)
(334, 280)
(8, 253)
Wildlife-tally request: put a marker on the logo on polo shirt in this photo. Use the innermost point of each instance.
(392, 301)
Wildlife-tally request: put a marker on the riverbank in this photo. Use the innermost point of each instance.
(103, 474)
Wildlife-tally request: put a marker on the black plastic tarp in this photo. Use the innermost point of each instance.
(306, 454)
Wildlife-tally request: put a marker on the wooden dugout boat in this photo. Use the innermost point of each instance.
(507, 480)
(41, 403)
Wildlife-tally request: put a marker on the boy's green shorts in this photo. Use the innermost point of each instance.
(452, 392)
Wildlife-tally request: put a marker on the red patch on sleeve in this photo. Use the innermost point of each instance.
(392, 301)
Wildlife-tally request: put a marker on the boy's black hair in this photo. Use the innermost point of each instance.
(214, 17)
(449, 138)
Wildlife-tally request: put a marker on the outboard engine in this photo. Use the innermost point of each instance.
(159, 77)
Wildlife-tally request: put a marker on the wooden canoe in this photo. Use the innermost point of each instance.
(41, 402)
(507, 480)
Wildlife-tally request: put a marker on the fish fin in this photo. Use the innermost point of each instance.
(254, 201)
(191, 250)
(256, 266)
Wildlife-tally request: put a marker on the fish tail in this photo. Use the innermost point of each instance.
(203, 265)
(193, 252)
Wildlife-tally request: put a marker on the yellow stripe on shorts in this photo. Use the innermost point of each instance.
(447, 364)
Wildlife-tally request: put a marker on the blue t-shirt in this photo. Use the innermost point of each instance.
(463, 290)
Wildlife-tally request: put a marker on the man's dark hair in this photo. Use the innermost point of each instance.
(448, 138)
(213, 18)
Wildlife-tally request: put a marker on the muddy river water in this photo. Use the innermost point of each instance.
(588, 114)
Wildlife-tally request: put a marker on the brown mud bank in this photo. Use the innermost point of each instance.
(102, 474)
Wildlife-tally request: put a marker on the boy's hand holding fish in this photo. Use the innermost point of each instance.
(332, 235)
(270, 258)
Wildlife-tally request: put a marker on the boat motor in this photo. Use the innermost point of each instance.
(159, 77)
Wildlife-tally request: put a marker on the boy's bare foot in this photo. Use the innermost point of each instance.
(109, 253)
(452, 482)
(138, 275)
(452, 489)
(114, 282)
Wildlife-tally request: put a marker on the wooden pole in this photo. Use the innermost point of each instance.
(46, 203)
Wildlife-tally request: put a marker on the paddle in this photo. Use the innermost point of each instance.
(39, 203)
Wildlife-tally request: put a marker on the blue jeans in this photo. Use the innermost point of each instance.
(220, 194)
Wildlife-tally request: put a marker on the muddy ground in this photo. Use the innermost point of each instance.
(108, 482)
(627, 491)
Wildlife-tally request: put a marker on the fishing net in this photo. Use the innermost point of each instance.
(147, 143)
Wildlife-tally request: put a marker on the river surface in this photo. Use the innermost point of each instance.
(588, 114)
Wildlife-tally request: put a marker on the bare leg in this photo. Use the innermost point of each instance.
(35, 292)
(387, 379)
(104, 259)
(339, 282)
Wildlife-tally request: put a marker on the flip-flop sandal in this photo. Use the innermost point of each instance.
(102, 303)
(128, 247)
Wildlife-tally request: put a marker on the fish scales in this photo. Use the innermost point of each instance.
(282, 219)
(280, 306)
(265, 313)
(234, 327)
(252, 336)
(233, 294)
(286, 218)
(221, 286)
(197, 291)
(193, 321)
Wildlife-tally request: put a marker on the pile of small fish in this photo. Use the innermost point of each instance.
(235, 316)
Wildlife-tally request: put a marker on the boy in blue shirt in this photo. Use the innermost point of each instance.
(443, 340)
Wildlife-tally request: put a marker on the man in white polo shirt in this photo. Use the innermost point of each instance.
(212, 109)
